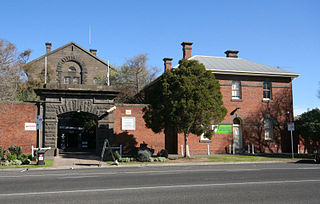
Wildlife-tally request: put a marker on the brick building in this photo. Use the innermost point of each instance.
(259, 103)
(258, 99)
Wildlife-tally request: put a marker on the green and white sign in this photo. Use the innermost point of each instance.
(224, 129)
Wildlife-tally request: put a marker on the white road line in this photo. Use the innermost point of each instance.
(157, 187)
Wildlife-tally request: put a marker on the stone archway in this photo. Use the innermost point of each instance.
(60, 101)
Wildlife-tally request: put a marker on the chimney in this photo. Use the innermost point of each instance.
(186, 47)
(48, 47)
(93, 51)
(167, 64)
(232, 53)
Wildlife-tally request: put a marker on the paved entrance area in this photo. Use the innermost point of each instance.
(77, 160)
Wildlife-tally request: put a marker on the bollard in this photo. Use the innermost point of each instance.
(275, 149)
(248, 148)
(252, 149)
(121, 150)
(230, 149)
(182, 154)
(208, 148)
(298, 149)
(234, 149)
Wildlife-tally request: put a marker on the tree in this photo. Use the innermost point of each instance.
(187, 98)
(308, 126)
(133, 75)
(11, 72)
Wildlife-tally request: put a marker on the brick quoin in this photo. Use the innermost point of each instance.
(12, 126)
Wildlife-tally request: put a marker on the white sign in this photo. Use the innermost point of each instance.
(30, 126)
(128, 112)
(128, 123)
(291, 127)
(39, 122)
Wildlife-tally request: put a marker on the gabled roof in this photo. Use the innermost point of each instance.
(238, 66)
(66, 45)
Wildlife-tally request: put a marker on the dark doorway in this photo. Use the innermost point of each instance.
(77, 132)
(171, 140)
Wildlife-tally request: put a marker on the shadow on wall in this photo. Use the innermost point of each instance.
(277, 111)
(128, 142)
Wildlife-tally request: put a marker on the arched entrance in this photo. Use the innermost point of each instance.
(237, 134)
(77, 131)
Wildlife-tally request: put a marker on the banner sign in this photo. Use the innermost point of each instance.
(30, 126)
(224, 129)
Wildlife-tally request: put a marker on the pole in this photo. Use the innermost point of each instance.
(108, 75)
(292, 145)
(45, 69)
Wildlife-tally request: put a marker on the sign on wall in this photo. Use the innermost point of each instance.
(224, 129)
(128, 123)
(30, 126)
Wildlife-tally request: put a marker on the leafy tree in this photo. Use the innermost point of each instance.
(133, 75)
(187, 98)
(12, 76)
(308, 126)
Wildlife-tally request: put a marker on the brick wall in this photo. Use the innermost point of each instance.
(12, 125)
(251, 113)
(141, 134)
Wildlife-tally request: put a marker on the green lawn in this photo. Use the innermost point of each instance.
(48, 163)
(240, 158)
(224, 158)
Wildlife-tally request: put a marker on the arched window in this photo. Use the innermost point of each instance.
(72, 69)
(236, 121)
(268, 129)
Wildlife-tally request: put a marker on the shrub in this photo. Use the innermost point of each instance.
(143, 155)
(11, 157)
(125, 159)
(163, 153)
(16, 162)
(7, 163)
(29, 156)
(26, 161)
(15, 149)
(1, 153)
(160, 159)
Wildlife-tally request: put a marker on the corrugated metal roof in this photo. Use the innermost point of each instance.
(238, 66)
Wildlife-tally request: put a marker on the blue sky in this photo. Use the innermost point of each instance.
(282, 33)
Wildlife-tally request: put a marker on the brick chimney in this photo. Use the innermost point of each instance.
(93, 51)
(48, 47)
(187, 48)
(167, 64)
(232, 53)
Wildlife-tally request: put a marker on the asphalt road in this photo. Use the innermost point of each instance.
(232, 183)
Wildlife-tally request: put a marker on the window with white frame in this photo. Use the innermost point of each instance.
(236, 90)
(268, 129)
(267, 91)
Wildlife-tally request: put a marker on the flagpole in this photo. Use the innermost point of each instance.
(108, 73)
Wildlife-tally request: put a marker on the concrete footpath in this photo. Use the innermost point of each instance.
(77, 160)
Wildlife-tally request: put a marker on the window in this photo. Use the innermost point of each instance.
(67, 80)
(72, 69)
(76, 80)
(236, 90)
(267, 90)
(268, 129)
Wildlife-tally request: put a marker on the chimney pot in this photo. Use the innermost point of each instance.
(232, 53)
(167, 64)
(48, 47)
(187, 49)
(93, 51)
